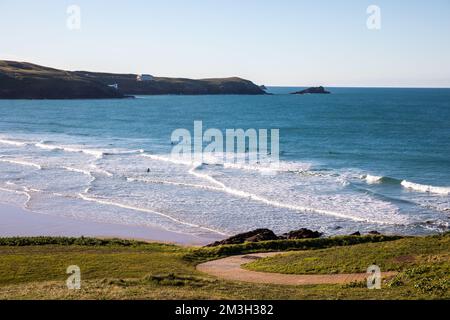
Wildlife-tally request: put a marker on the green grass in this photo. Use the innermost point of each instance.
(35, 268)
(389, 256)
(204, 254)
(423, 263)
(49, 262)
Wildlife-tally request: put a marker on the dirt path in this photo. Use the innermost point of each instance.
(230, 269)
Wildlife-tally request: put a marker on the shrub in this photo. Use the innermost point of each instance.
(66, 241)
(172, 279)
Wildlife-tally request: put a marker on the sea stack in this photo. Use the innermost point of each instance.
(313, 90)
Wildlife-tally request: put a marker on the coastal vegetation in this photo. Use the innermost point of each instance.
(209, 253)
(35, 268)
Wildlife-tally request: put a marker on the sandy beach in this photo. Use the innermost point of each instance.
(19, 222)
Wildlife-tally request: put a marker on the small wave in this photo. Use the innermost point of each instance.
(13, 143)
(262, 169)
(115, 153)
(24, 191)
(22, 163)
(124, 206)
(425, 188)
(169, 159)
(42, 145)
(15, 191)
(189, 185)
(101, 171)
(96, 153)
(371, 179)
(434, 225)
(85, 172)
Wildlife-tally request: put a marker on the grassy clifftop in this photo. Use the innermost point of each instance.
(35, 268)
(22, 80)
(176, 86)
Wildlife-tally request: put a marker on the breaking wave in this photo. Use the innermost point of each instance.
(425, 188)
(370, 179)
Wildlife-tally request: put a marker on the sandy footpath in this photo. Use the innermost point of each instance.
(230, 269)
(15, 221)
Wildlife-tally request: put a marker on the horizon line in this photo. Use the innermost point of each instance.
(266, 85)
(357, 87)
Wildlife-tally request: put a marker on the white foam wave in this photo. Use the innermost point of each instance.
(47, 146)
(302, 209)
(372, 179)
(123, 152)
(243, 194)
(425, 188)
(124, 206)
(181, 161)
(22, 163)
(85, 172)
(101, 171)
(262, 169)
(243, 164)
(180, 184)
(15, 191)
(13, 142)
(92, 152)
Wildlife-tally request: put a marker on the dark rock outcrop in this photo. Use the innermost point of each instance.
(301, 234)
(313, 90)
(252, 236)
(357, 233)
(267, 235)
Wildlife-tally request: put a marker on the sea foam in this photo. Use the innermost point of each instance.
(425, 188)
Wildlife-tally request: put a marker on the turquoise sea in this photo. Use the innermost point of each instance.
(356, 160)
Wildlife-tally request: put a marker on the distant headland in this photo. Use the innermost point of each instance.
(22, 80)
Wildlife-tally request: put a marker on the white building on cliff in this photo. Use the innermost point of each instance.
(144, 77)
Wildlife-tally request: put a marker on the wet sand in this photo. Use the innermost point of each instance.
(15, 221)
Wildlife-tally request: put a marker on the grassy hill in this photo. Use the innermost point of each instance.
(176, 86)
(21, 80)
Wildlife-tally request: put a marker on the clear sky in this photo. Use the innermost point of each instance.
(283, 42)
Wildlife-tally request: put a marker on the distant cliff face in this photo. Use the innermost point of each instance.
(158, 85)
(20, 80)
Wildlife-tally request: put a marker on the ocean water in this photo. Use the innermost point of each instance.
(355, 160)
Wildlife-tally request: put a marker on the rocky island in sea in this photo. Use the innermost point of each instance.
(313, 90)
(22, 80)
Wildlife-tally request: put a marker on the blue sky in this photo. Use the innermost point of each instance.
(284, 42)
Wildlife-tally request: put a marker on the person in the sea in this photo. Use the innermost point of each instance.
(148, 170)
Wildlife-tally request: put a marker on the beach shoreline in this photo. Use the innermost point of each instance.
(18, 222)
